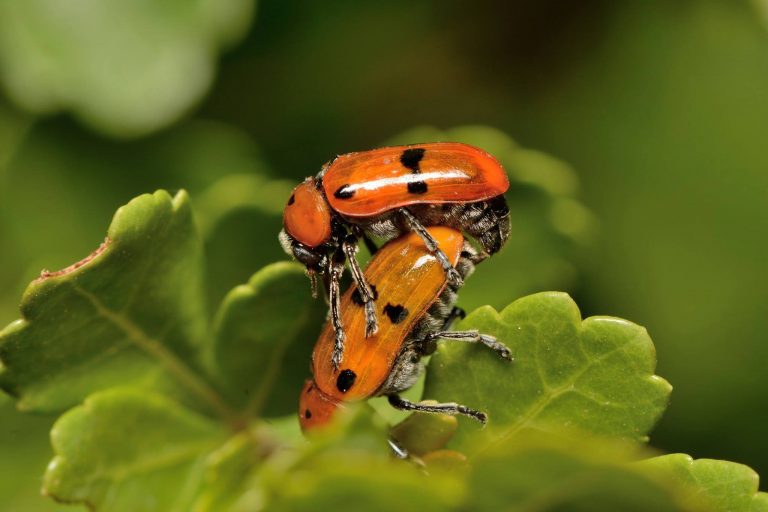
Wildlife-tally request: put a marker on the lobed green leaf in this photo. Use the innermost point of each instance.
(552, 473)
(594, 375)
(264, 334)
(126, 450)
(723, 485)
(131, 313)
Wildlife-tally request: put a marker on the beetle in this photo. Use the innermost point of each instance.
(385, 193)
(417, 306)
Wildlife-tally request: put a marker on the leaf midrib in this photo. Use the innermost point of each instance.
(173, 364)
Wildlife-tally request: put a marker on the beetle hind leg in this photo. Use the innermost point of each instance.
(473, 336)
(453, 275)
(450, 408)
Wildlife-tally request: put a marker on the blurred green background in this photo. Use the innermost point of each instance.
(660, 108)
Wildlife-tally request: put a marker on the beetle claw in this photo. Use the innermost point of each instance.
(371, 324)
(454, 277)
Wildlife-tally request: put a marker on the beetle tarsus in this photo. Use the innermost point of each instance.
(450, 408)
(371, 323)
(397, 449)
(474, 336)
(338, 349)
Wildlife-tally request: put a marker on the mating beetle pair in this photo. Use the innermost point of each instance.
(385, 193)
(393, 194)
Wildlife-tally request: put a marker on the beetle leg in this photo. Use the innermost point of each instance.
(337, 267)
(451, 408)
(453, 275)
(473, 337)
(455, 313)
(349, 246)
(399, 451)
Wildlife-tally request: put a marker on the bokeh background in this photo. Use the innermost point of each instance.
(640, 160)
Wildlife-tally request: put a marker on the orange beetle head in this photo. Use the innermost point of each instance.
(315, 408)
(307, 216)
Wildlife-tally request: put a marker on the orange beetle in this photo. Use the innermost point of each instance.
(416, 304)
(385, 193)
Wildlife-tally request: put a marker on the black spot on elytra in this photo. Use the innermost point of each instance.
(344, 192)
(345, 380)
(291, 200)
(396, 313)
(307, 414)
(358, 299)
(417, 187)
(411, 159)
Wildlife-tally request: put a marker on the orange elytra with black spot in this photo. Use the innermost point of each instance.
(372, 182)
(408, 279)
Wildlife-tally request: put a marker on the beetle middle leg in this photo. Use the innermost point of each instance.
(472, 336)
(349, 246)
(451, 408)
(453, 275)
(334, 293)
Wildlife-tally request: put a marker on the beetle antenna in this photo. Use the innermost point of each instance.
(313, 282)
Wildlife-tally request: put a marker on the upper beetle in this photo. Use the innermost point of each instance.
(387, 192)
(416, 302)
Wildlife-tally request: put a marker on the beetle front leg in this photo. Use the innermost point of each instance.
(451, 408)
(367, 294)
(453, 275)
(337, 268)
(473, 336)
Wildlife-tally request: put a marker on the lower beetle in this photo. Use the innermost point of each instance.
(416, 302)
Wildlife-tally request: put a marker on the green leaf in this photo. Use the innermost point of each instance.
(63, 183)
(130, 313)
(126, 450)
(361, 482)
(25, 454)
(226, 472)
(595, 375)
(722, 484)
(87, 57)
(350, 466)
(264, 336)
(237, 204)
(547, 473)
(421, 433)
